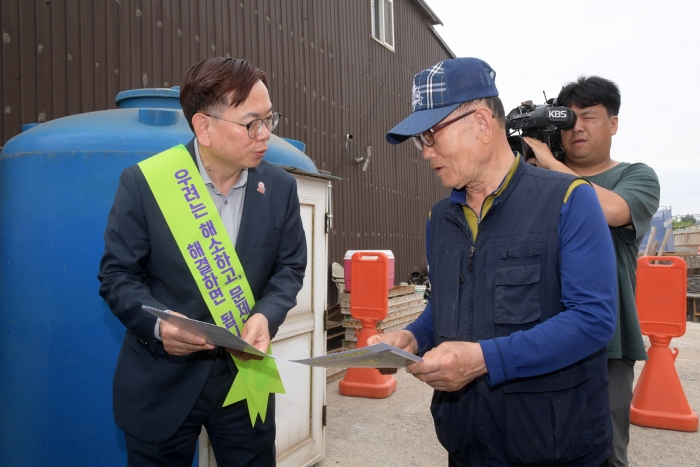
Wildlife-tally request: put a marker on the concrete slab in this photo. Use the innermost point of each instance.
(397, 431)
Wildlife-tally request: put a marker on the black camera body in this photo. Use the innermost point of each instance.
(542, 122)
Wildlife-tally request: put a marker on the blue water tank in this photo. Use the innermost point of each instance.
(58, 339)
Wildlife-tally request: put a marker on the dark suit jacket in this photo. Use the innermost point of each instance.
(142, 265)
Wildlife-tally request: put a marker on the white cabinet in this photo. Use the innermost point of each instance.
(299, 413)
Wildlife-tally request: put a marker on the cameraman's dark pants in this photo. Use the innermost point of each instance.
(621, 374)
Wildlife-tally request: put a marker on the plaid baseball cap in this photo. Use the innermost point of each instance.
(440, 89)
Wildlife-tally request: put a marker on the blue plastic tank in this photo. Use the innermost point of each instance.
(58, 339)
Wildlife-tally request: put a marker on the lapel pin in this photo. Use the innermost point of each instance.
(261, 187)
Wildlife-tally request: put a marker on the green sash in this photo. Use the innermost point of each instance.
(201, 237)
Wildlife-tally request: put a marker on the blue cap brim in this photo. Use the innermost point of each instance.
(418, 122)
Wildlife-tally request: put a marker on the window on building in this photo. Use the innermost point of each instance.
(383, 22)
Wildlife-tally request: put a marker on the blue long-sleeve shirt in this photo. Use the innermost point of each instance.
(588, 290)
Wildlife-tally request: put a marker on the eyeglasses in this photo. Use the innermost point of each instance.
(427, 138)
(255, 127)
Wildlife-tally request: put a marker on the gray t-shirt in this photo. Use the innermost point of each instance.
(639, 186)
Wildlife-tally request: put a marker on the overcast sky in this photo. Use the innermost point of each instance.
(649, 48)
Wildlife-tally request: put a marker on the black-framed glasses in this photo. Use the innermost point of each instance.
(427, 138)
(255, 127)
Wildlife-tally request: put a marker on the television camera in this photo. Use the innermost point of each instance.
(542, 122)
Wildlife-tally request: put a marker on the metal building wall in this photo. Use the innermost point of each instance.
(329, 78)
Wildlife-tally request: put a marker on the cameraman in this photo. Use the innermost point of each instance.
(629, 196)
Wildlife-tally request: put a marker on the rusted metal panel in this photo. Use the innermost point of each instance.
(28, 68)
(11, 69)
(328, 78)
(386, 206)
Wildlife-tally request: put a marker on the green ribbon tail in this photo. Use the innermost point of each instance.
(255, 381)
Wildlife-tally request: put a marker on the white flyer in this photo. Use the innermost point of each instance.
(374, 356)
(211, 333)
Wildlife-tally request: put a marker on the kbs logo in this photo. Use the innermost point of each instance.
(558, 114)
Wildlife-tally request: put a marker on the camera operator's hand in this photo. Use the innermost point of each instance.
(543, 156)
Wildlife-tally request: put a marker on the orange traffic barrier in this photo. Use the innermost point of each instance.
(659, 400)
(369, 303)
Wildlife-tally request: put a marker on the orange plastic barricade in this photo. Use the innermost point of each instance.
(659, 400)
(369, 303)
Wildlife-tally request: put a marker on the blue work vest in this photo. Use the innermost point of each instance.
(509, 281)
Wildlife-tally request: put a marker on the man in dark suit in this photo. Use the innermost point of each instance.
(169, 383)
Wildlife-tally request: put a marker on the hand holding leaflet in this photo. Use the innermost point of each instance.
(375, 356)
(213, 334)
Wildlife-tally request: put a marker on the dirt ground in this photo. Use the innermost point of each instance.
(398, 431)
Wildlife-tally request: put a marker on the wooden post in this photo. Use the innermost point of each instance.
(663, 244)
(650, 241)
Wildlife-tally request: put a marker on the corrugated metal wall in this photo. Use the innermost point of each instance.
(329, 78)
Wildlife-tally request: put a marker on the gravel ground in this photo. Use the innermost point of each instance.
(398, 431)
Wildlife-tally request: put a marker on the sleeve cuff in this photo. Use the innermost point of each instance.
(423, 338)
(156, 331)
(499, 361)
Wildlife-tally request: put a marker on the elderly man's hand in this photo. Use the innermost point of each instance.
(450, 366)
(404, 340)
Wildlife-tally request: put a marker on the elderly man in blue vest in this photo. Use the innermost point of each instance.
(523, 300)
